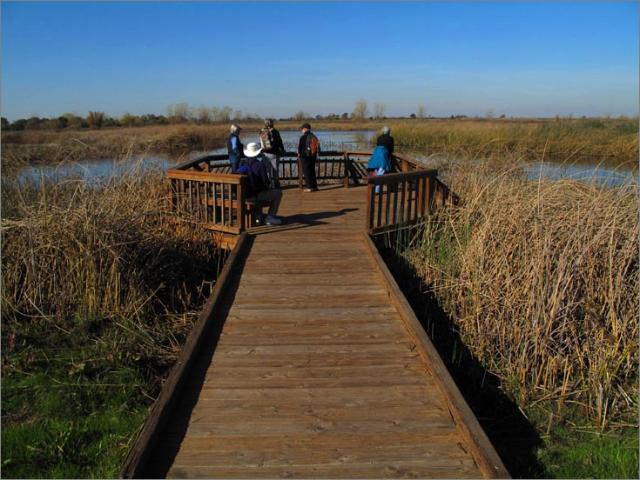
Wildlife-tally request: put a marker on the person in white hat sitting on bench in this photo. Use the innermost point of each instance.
(253, 165)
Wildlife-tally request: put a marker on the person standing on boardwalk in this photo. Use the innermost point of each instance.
(254, 166)
(308, 149)
(381, 158)
(273, 149)
(234, 147)
(386, 140)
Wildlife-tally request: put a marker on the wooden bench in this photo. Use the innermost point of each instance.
(253, 211)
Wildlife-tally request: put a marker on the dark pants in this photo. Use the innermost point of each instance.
(235, 162)
(309, 172)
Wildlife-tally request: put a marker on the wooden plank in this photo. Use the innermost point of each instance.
(483, 451)
(276, 279)
(364, 359)
(407, 469)
(279, 453)
(419, 400)
(218, 227)
(161, 409)
(335, 312)
(348, 396)
(227, 178)
(271, 426)
(301, 370)
(389, 348)
(348, 441)
(301, 328)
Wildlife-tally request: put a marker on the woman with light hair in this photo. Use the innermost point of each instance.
(234, 147)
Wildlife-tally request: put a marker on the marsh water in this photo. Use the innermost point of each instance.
(586, 170)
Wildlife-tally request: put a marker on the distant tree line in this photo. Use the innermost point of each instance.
(183, 113)
(176, 114)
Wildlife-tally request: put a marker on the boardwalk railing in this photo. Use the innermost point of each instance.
(205, 191)
(215, 200)
(349, 167)
(398, 200)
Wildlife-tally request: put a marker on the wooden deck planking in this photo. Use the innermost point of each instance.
(314, 374)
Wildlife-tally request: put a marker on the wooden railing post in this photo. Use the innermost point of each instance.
(300, 184)
(347, 169)
(241, 204)
(420, 184)
(370, 206)
(174, 194)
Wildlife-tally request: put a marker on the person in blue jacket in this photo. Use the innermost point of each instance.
(380, 161)
(234, 147)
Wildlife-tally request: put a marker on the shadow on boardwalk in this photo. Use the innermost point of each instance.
(510, 432)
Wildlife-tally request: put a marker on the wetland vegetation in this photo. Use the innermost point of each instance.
(99, 290)
(539, 277)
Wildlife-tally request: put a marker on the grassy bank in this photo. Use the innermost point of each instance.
(99, 290)
(612, 141)
(540, 281)
(54, 147)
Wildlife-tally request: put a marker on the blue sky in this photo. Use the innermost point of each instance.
(521, 59)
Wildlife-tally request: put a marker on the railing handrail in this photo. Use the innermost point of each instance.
(399, 176)
(232, 178)
(287, 156)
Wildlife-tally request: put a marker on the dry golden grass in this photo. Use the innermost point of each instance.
(541, 279)
(74, 252)
(612, 140)
(54, 147)
(99, 291)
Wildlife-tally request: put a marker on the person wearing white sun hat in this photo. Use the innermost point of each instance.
(253, 166)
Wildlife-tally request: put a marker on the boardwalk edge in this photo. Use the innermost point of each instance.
(481, 447)
(138, 455)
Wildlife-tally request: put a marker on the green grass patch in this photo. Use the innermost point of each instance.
(69, 407)
(574, 454)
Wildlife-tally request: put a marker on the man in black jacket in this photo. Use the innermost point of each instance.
(386, 140)
(308, 148)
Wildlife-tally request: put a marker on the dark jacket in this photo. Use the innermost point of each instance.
(257, 176)
(277, 145)
(385, 140)
(302, 145)
(238, 150)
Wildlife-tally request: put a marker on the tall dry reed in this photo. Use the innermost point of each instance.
(53, 147)
(541, 279)
(611, 140)
(75, 253)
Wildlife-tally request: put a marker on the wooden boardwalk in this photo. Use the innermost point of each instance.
(316, 372)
